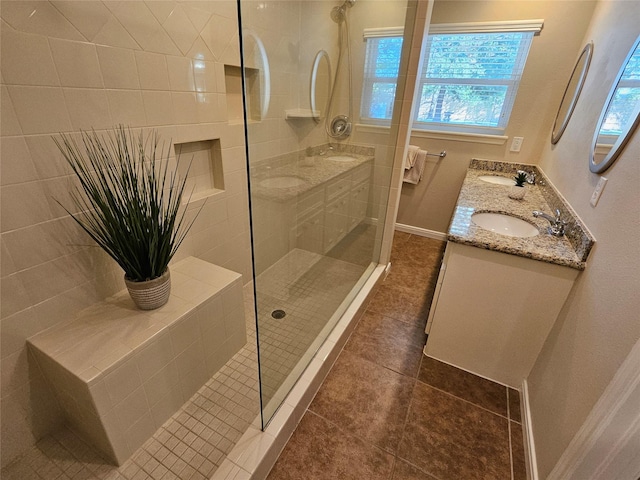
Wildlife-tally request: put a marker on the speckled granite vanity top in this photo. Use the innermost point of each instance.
(479, 196)
(284, 178)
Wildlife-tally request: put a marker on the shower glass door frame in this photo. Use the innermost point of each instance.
(305, 275)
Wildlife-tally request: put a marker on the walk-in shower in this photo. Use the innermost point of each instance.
(318, 189)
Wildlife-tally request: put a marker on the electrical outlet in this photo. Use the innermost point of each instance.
(598, 191)
(516, 144)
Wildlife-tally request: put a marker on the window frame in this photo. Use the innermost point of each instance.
(534, 26)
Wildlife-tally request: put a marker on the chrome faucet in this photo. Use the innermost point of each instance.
(557, 224)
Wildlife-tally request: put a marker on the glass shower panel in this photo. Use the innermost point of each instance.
(318, 198)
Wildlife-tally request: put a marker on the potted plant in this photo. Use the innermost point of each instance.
(129, 203)
(517, 191)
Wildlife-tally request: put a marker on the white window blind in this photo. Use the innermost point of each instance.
(382, 62)
(469, 80)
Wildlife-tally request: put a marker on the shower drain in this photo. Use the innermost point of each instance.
(278, 314)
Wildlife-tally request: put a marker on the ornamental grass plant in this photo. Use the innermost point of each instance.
(129, 200)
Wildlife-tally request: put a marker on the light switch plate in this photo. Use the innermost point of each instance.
(595, 196)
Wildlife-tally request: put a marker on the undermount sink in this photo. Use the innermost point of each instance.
(282, 182)
(341, 158)
(496, 180)
(504, 224)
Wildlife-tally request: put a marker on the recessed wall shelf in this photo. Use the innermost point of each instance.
(206, 177)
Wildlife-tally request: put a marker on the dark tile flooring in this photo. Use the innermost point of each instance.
(387, 412)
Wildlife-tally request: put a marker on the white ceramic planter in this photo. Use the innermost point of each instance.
(517, 193)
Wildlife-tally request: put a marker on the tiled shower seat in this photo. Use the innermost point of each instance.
(119, 373)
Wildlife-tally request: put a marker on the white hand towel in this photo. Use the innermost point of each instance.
(412, 154)
(414, 174)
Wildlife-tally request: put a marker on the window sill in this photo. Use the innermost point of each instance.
(452, 136)
(461, 137)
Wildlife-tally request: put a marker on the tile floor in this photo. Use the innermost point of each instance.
(388, 412)
(193, 443)
(384, 412)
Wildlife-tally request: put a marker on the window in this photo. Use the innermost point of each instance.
(468, 82)
(624, 103)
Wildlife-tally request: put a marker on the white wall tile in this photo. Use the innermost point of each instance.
(123, 381)
(154, 357)
(76, 63)
(152, 69)
(162, 383)
(87, 17)
(26, 59)
(118, 66)
(47, 159)
(200, 51)
(9, 124)
(23, 205)
(40, 109)
(160, 9)
(180, 74)
(138, 20)
(14, 296)
(140, 431)
(114, 34)
(184, 105)
(126, 107)
(7, 267)
(15, 329)
(217, 34)
(88, 108)
(199, 17)
(39, 17)
(132, 408)
(17, 166)
(180, 29)
(158, 107)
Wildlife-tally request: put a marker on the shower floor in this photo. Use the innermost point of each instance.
(193, 443)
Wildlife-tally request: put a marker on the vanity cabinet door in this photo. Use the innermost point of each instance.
(310, 231)
(358, 202)
(336, 221)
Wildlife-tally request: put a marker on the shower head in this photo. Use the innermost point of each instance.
(338, 13)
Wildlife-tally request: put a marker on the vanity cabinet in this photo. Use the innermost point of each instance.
(492, 311)
(327, 214)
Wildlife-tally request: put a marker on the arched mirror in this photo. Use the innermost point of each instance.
(571, 93)
(320, 85)
(257, 76)
(620, 115)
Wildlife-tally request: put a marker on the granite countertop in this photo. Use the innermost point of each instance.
(311, 171)
(479, 196)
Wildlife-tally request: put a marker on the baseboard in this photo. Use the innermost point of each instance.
(527, 425)
(423, 232)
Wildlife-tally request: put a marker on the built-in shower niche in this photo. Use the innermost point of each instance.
(233, 84)
(204, 161)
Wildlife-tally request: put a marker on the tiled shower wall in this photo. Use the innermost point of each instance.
(71, 65)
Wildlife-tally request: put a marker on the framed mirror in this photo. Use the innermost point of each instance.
(572, 92)
(320, 90)
(620, 115)
(257, 75)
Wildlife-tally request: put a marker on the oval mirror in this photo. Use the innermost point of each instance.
(620, 115)
(257, 76)
(571, 93)
(320, 85)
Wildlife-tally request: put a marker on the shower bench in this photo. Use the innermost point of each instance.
(119, 373)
